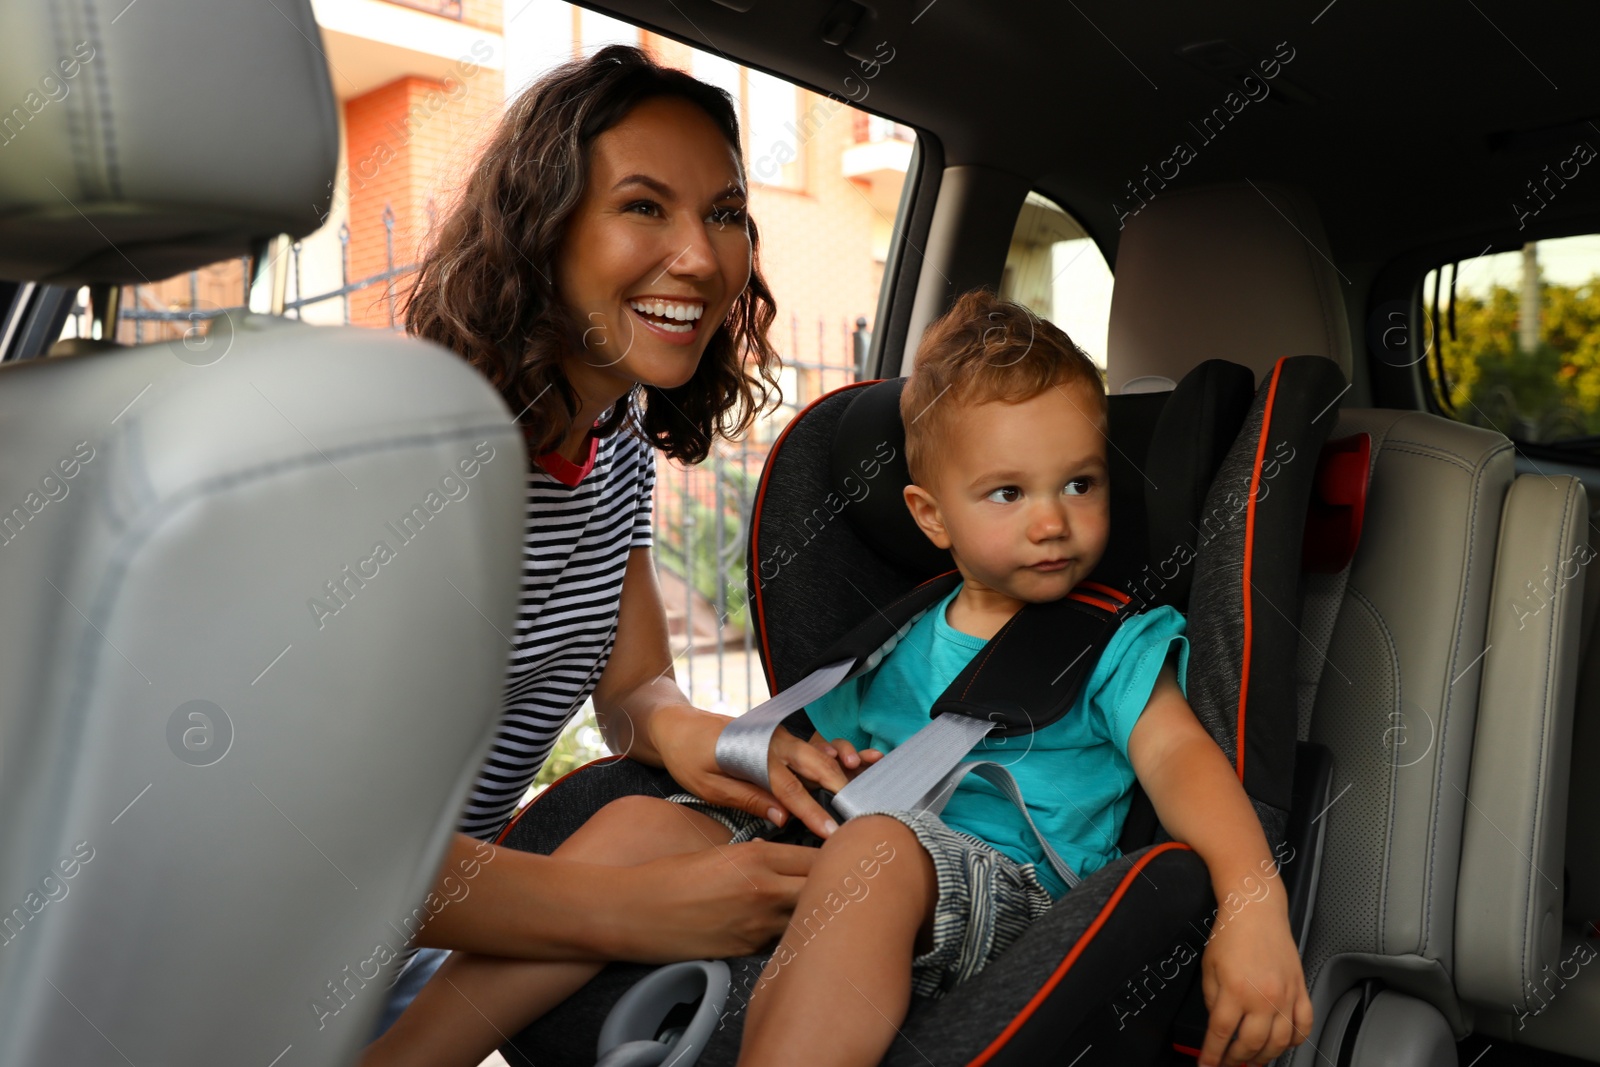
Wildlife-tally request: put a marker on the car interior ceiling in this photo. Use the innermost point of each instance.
(1413, 127)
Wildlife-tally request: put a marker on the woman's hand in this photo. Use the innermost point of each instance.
(852, 761)
(686, 739)
(733, 900)
(1253, 983)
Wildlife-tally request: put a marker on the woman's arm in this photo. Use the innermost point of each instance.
(729, 901)
(639, 680)
(645, 716)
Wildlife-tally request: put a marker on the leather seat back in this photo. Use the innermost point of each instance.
(1398, 701)
(1396, 653)
(255, 591)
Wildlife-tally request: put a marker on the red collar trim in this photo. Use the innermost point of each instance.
(564, 470)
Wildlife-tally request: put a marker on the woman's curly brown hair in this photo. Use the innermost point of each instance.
(486, 287)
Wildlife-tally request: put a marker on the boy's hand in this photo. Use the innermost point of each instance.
(851, 760)
(1253, 983)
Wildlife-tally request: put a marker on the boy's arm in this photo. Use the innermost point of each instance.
(1197, 795)
(1252, 978)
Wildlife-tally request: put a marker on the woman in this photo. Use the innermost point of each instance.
(600, 270)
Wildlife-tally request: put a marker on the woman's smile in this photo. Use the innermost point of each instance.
(674, 321)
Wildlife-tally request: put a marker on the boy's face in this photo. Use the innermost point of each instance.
(1020, 495)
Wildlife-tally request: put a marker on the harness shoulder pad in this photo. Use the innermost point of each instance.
(1029, 674)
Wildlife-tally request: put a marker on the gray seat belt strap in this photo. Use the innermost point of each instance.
(921, 775)
(742, 745)
(909, 778)
(997, 775)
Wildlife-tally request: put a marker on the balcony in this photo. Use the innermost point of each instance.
(370, 43)
(450, 9)
(879, 159)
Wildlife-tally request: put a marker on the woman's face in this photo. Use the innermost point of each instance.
(657, 250)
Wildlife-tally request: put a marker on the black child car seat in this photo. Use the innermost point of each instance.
(1210, 492)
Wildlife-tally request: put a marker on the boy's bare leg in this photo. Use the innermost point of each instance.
(838, 987)
(474, 1003)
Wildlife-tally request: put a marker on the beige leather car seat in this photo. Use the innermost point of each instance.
(1440, 884)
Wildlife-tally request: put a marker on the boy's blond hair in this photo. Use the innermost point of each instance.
(985, 349)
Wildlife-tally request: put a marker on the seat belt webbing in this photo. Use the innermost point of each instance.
(742, 745)
(918, 775)
(922, 774)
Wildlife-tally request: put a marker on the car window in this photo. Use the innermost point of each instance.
(770, 117)
(1055, 269)
(1511, 341)
(320, 289)
(825, 189)
(825, 182)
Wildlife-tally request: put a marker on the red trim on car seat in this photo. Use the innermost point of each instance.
(1115, 594)
(1249, 554)
(1085, 598)
(755, 524)
(518, 816)
(1077, 949)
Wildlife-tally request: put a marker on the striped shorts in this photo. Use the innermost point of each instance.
(986, 898)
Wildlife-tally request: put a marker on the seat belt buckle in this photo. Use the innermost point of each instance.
(795, 832)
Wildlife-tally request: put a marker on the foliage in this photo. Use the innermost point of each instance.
(692, 544)
(1544, 395)
(579, 743)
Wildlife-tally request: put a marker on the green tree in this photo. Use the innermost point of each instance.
(579, 743)
(1548, 394)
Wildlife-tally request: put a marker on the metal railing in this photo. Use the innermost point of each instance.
(143, 304)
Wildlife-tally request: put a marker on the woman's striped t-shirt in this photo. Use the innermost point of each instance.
(582, 522)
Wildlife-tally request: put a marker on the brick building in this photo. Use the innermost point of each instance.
(421, 86)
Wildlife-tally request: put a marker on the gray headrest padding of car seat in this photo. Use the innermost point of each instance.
(140, 140)
(1238, 272)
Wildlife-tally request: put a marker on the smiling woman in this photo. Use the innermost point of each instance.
(601, 270)
(609, 181)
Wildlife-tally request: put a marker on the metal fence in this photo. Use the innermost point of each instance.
(148, 309)
(701, 525)
(701, 513)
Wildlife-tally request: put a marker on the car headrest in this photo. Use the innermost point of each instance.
(141, 140)
(1238, 272)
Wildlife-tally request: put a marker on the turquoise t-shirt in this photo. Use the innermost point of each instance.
(1075, 774)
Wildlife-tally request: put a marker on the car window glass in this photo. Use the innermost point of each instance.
(825, 178)
(1055, 269)
(1511, 341)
